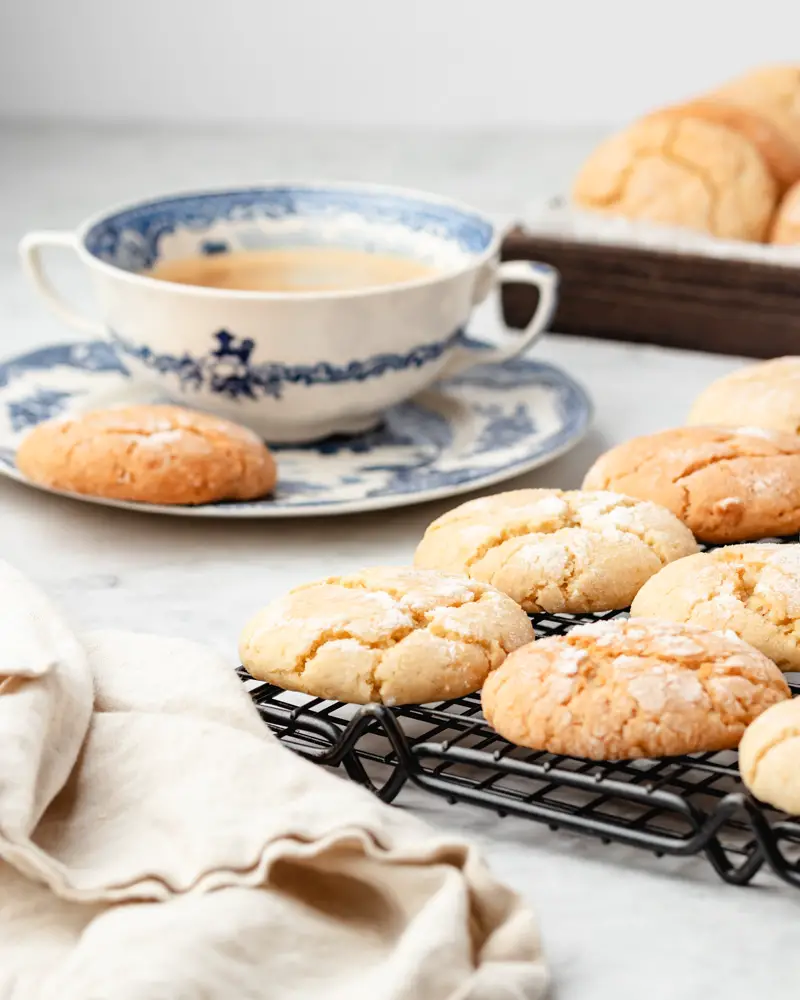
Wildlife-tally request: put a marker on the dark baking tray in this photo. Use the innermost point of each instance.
(661, 297)
(674, 806)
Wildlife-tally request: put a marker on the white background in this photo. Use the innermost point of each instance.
(440, 63)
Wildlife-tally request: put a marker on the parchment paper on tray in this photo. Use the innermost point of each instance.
(557, 218)
(158, 843)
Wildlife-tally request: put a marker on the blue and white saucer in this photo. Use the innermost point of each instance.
(488, 424)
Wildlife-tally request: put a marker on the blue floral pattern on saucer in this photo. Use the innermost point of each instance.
(488, 424)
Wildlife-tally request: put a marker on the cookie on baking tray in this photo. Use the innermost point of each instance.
(554, 550)
(750, 590)
(766, 394)
(614, 690)
(769, 757)
(681, 172)
(150, 454)
(392, 635)
(726, 485)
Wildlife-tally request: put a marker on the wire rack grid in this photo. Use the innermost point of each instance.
(673, 806)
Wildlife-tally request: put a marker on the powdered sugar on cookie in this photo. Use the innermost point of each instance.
(752, 591)
(412, 636)
(557, 551)
(158, 454)
(632, 688)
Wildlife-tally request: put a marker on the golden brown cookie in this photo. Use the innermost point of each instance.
(785, 228)
(619, 689)
(773, 90)
(776, 138)
(149, 454)
(681, 172)
(725, 485)
(750, 590)
(557, 551)
(766, 395)
(393, 635)
(769, 757)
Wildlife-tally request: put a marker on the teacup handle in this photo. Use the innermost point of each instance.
(526, 272)
(30, 249)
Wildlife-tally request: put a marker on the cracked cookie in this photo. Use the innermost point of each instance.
(750, 590)
(769, 757)
(774, 135)
(392, 635)
(555, 550)
(620, 689)
(149, 454)
(772, 90)
(785, 228)
(681, 172)
(726, 485)
(765, 395)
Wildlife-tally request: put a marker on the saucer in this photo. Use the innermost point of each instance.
(488, 424)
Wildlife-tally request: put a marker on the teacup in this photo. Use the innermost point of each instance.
(295, 365)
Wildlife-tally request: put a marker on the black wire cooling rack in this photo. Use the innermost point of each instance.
(676, 806)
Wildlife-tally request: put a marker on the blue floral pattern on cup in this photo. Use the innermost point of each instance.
(130, 239)
(227, 367)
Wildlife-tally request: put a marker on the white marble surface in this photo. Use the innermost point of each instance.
(616, 922)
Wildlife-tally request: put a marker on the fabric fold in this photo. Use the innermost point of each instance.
(158, 841)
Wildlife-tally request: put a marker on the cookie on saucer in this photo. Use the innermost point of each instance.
(557, 551)
(726, 485)
(765, 395)
(750, 590)
(769, 757)
(148, 454)
(392, 635)
(615, 690)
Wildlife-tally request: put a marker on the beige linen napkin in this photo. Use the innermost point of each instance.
(157, 843)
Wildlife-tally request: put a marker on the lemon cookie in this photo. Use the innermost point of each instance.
(773, 134)
(636, 688)
(150, 454)
(726, 485)
(681, 172)
(773, 90)
(785, 228)
(769, 757)
(557, 551)
(750, 590)
(392, 635)
(765, 395)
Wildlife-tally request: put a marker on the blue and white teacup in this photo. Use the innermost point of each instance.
(294, 365)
